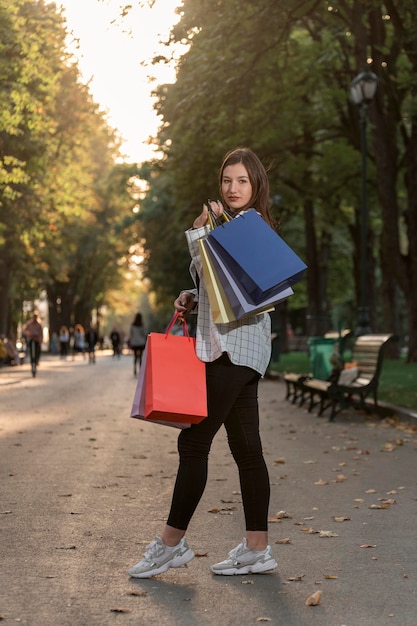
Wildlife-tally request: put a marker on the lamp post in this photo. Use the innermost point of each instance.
(362, 91)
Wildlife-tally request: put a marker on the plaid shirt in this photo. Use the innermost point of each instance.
(247, 341)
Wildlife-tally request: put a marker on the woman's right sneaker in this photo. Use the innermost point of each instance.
(158, 558)
(243, 560)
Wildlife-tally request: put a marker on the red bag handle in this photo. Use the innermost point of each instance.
(177, 316)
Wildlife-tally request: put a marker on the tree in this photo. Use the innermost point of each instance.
(285, 92)
(66, 208)
(32, 51)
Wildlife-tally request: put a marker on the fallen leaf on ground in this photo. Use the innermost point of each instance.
(283, 515)
(200, 554)
(327, 533)
(284, 541)
(138, 593)
(370, 491)
(329, 577)
(368, 545)
(280, 461)
(296, 579)
(321, 482)
(314, 599)
(264, 619)
(341, 519)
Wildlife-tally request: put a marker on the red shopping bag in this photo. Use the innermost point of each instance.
(171, 388)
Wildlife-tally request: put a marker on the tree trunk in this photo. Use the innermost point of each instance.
(4, 290)
(61, 306)
(410, 260)
(318, 320)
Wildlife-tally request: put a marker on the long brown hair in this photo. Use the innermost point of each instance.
(258, 177)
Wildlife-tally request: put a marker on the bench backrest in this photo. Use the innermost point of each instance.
(368, 353)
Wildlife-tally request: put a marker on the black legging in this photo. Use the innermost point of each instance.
(232, 399)
(137, 355)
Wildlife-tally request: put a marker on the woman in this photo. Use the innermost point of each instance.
(79, 341)
(236, 355)
(137, 340)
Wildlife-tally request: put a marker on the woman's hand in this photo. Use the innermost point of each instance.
(184, 303)
(203, 218)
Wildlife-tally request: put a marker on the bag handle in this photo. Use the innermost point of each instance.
(217, 220)
(178, 316)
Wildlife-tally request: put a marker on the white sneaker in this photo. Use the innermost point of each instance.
(158, 558)
(243, 560)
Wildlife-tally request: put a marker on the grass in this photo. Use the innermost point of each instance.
(397, 384)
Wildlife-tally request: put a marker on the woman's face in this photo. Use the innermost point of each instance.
(236, 187)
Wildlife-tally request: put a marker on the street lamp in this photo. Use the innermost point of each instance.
(362, 90)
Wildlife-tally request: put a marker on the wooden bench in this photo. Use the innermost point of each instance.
(367, 352)
(294, 381)
(294, 389)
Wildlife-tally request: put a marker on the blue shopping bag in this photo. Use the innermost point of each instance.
(260, 261)
(228, 288)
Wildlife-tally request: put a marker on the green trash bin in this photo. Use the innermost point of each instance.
(320, 350)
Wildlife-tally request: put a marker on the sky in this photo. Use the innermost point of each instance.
(110, 58)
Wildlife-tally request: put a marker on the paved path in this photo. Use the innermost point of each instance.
(84, 488)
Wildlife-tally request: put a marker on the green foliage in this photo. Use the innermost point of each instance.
(63, 202)
(279, 83)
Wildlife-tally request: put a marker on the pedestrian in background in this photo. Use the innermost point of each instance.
(91, 338)
(78, 346)
(116, 340)
(64, 339)
(54, 343)
(33, 332)
(137, 340)
(236, 354)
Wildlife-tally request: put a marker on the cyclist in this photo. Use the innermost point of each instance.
(33, 334)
